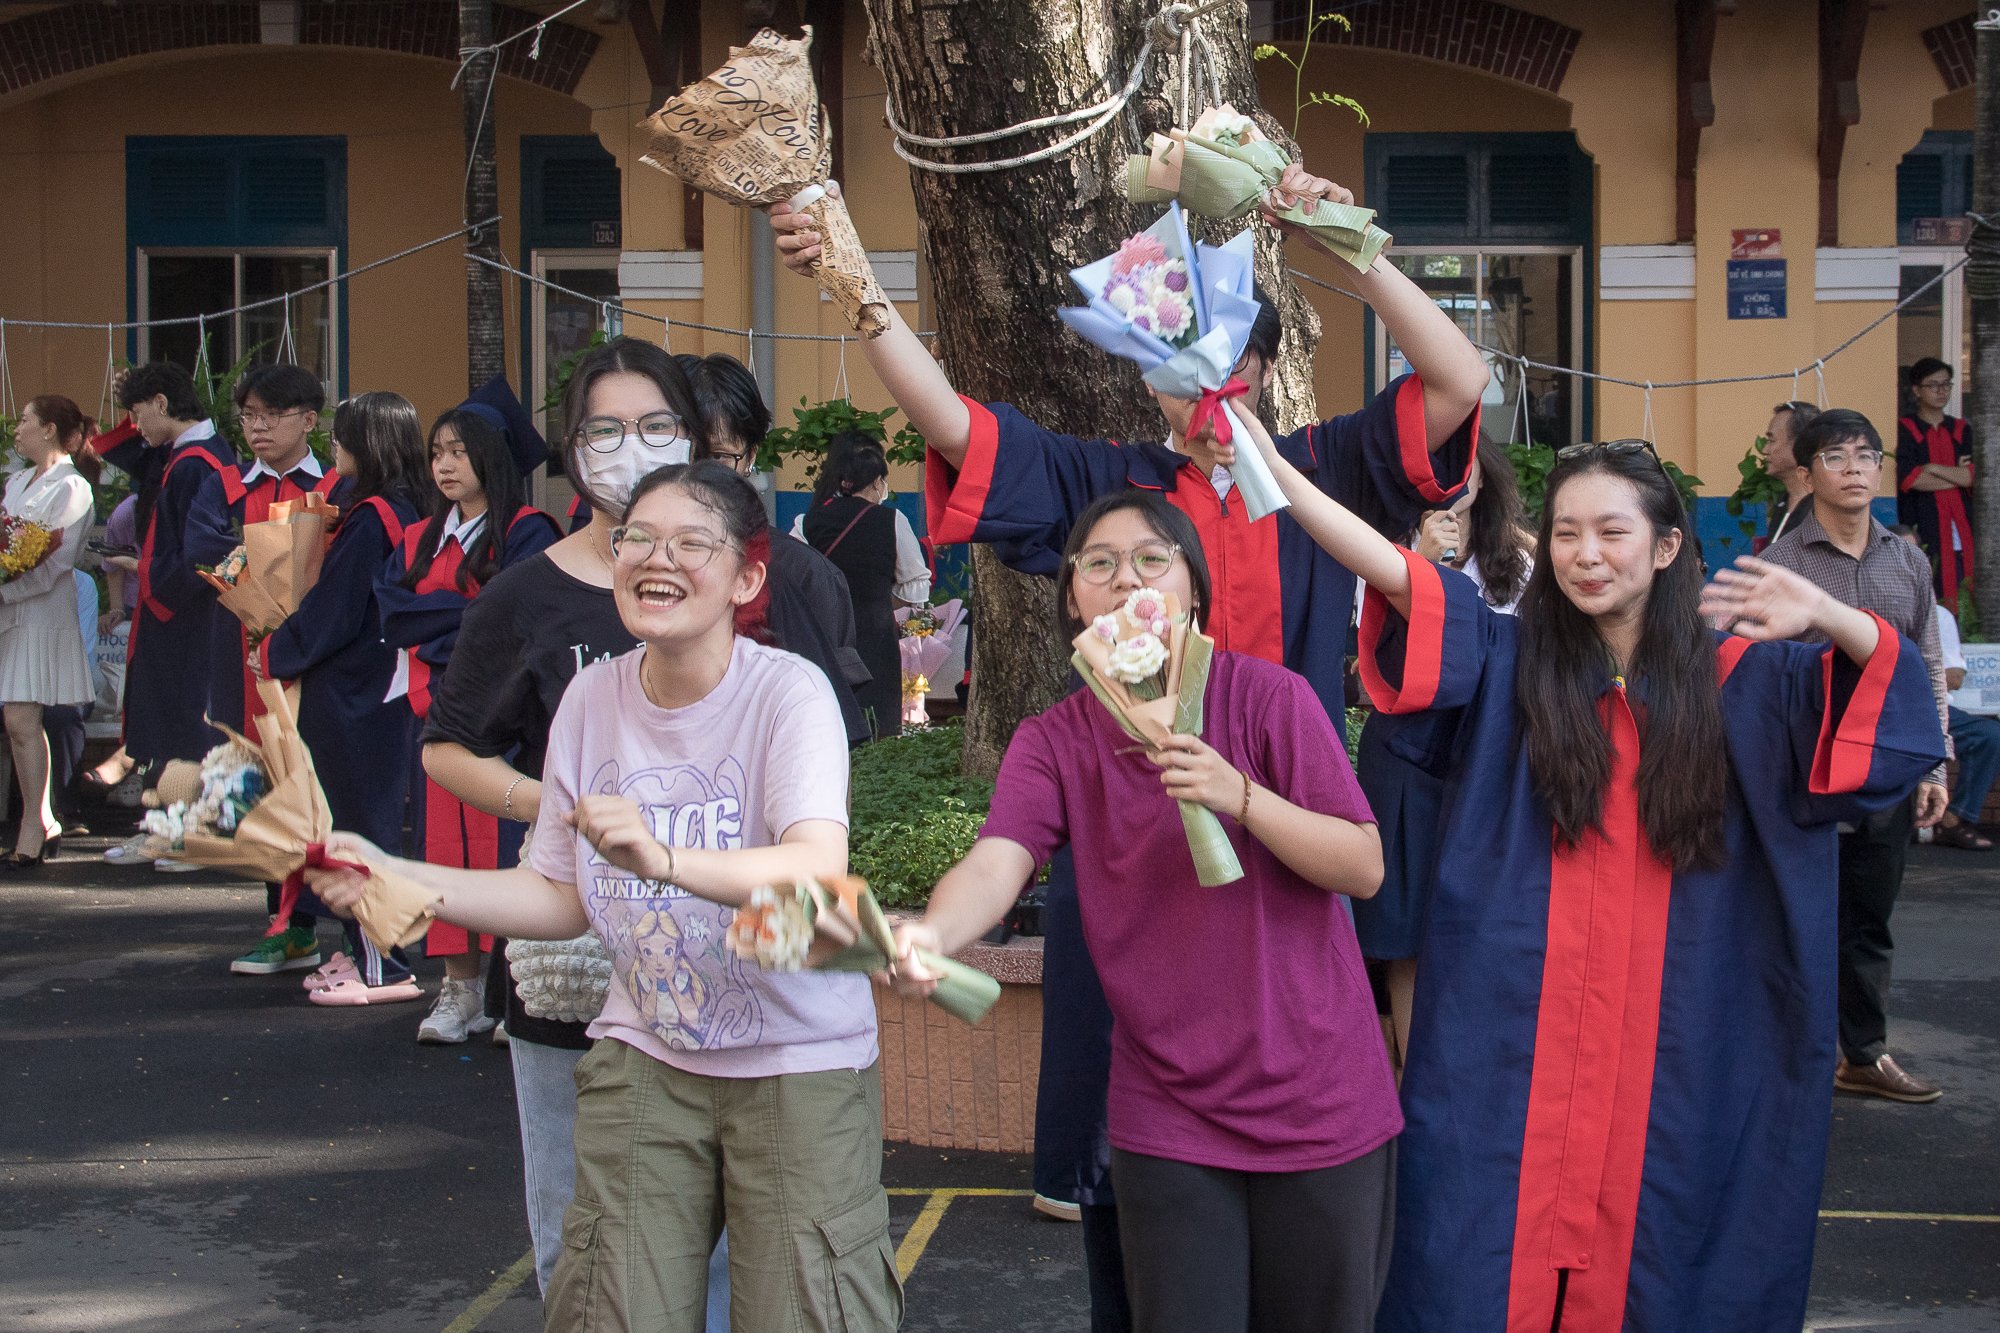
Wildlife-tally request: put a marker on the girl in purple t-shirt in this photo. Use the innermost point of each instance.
(679, 777)
(1251, 1103)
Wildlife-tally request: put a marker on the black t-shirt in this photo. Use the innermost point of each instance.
(812, 615)
(523, 639)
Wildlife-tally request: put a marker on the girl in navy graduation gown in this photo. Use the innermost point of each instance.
(332, 646)
(1619, 1079)
(480, 524)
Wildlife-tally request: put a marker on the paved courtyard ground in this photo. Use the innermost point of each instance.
(181, 1149)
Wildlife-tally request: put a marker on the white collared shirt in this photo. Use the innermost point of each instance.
(260, 469)
(200, 430)
(460, 530)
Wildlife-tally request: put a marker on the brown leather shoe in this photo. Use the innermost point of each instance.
(1884, 1078)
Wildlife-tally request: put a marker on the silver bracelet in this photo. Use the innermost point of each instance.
(507, 801)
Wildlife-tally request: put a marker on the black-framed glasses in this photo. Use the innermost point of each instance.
(656, 429)
(1098, 565)
(1609, 448)
(1935, 384)
(688, 550)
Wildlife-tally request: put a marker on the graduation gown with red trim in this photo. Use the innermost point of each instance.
(1940, 517)
(362, 747)
(1620, 1077)
(1278, 596)
(424, 621)
(226, 501)
(166, 684)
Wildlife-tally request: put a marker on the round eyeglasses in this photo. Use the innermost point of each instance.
(1098, 565)
(658, 430)
(687, 551)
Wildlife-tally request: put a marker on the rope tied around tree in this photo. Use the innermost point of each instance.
(1176, 24)
(1982, 262)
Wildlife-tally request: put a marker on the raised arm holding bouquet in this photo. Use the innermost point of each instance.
(994, 476)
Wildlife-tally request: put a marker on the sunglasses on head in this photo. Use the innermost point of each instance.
(1607, 448)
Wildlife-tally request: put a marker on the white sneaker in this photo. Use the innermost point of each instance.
(168, 865)
(460, 1012)
(135, 849)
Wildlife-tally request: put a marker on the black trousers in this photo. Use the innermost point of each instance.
(1871, 875)
(1209, 1250)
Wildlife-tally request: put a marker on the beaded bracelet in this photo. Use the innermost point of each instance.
(507, 801)
(1243, 813)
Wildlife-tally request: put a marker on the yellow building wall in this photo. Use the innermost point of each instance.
(62, 250)
(405, 168)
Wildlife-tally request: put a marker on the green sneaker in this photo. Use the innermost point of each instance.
(288, 952)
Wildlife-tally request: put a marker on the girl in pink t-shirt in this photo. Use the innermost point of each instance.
(1251, 1108)
(679, 777)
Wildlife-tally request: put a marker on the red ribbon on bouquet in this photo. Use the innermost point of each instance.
(1208, 408)
(288, 892)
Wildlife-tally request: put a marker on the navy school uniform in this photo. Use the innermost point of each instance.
(1278, 596)
(227, 501)
(167, 677)
(1617, 1096)
(423, 621)
(332, 646)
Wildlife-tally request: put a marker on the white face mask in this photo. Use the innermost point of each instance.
(612, 476)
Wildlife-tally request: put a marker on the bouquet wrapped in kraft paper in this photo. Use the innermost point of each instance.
(263, 581)
(835, 925)
(1221, 167)
(753, 132)
(1148, 665)
(256, 810)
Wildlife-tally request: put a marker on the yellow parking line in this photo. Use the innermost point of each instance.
(968, 1193)
(920, 1233)
(489, 1300)
(1844, 1215)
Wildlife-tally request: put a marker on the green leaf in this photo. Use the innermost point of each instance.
(1264, 51)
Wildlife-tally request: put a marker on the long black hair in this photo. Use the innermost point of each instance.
(854, 462)
(379, 431)
(1168, 524)
(493, 464)
(1562, 668)
(1499, 527)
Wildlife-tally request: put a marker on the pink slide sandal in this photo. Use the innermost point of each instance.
(354, 990)
(337, 968)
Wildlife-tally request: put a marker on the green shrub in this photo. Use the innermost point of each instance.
(914, 813)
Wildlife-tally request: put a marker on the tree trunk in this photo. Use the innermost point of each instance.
(485, 335)
(999, 246)
(1982, 289)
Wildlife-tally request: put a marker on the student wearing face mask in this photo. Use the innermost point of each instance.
(532, 628)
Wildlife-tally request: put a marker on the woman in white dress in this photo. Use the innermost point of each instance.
(42, 660)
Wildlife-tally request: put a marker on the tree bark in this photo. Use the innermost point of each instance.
(999, 246)
(485, 334)
(1982, 288)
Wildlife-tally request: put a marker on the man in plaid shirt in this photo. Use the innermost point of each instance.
(1841, 547)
